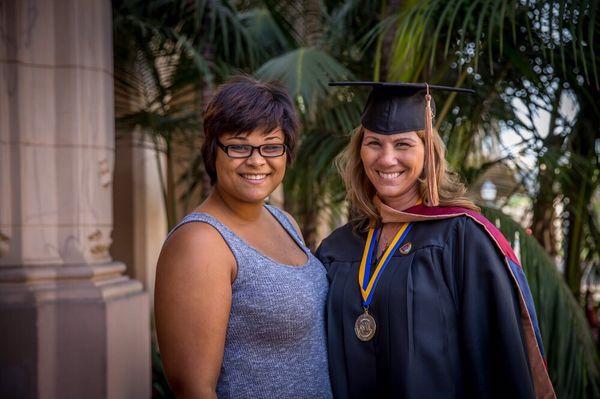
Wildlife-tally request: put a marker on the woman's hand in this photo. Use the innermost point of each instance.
(192, 304)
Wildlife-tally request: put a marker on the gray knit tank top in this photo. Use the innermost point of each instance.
(275, 346)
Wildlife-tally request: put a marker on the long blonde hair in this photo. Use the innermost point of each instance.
(360, 191)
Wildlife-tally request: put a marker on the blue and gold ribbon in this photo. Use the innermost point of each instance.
(368, 281)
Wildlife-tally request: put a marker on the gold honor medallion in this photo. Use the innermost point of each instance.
(365, 326)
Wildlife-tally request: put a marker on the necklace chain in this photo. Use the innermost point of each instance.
(385, 240)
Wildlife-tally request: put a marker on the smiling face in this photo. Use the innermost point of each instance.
(393, 164)
(252, 179)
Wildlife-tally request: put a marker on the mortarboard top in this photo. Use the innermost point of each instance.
(397, 107)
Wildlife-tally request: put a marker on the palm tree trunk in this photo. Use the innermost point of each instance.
(171, 186)
(309, 220)
(309, 26)
(384, 51)
(544, 214)
(312, 22)
(580, 190)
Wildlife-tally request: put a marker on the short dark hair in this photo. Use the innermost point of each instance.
(242, 105)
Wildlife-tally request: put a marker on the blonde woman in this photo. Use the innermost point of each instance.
(426, 299)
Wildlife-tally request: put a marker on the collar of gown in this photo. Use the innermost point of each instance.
(412, 214)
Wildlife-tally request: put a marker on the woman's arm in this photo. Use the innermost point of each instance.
(191, 304)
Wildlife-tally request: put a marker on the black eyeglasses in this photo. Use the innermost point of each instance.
(246, 150)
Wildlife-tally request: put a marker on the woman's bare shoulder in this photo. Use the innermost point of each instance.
(196, 233)
(193, 247)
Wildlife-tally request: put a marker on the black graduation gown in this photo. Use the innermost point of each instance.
(447, 318)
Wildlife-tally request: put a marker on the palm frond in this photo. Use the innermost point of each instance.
(285, 15)
(313, 184)
(263, 29)
(217, 24)
(550, 29)
(306, 73)
(346, 23)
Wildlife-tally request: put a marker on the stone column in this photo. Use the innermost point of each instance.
(73, 325)
(140, 225)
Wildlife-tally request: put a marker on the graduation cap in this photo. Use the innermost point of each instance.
(393, 108)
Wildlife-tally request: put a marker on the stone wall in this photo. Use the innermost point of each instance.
(74, 325)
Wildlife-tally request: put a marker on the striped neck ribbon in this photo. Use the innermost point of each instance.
(367, 280)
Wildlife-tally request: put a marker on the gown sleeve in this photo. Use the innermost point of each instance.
(319, 255)
(493, 351)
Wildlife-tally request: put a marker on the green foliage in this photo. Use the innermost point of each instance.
(306, 73)
(262, 29)
(562, 32)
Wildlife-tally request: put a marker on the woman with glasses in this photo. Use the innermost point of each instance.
(239, 298)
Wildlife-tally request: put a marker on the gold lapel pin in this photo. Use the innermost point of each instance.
(405, 249)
